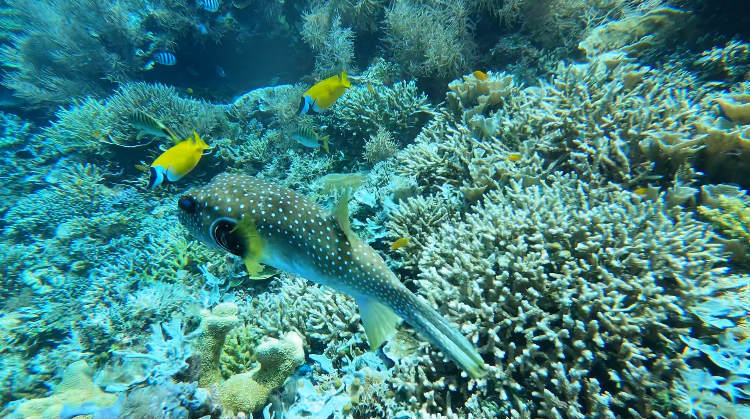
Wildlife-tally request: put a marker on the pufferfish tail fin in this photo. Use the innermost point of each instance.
(252, 245)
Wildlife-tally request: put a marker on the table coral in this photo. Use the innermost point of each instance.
(76, 388)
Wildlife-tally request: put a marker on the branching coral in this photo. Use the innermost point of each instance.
(401, 109)
(729, 209)
(575, 293)
(625, 124)
(634, 33)
(328, 320)
(730, 63)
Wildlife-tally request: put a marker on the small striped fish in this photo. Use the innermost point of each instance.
(209, 5)
(264, 223)
(147, 124)
(165, 58)
(309, 138)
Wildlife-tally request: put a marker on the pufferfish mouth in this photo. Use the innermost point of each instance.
(221, 231)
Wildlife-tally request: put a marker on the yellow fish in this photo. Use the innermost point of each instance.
(402, 242)
(642, 192)
(324, 94)
(481, 75)
(190, 90)
(176, 162)
(514, 157)
(370, 89)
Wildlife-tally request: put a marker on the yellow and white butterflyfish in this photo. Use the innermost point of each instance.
(324, 94)
(176, 162)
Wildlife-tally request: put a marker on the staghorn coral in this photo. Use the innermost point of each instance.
(635, 32)
(729, 209)
(330, 320)
(729, 63)
(726, 132)
(570, 290)
(625, 124)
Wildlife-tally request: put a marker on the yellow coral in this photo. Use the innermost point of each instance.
(76, 388)
(731, 214)
(249, 392)
(214, 328)
(737, 109)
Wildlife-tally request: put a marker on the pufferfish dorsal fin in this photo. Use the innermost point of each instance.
(341, 213)
(253, 245)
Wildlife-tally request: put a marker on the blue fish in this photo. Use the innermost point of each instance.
(165, 58)
(264, 223)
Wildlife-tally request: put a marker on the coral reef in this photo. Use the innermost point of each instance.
(76, 388)
(570, 175)
(250, 391)
(214, 329)
(430, 39)
(401, 109)
(528, 259)
(70, 49)
(380, 147)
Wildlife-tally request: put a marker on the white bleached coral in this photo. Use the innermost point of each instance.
(577, 295)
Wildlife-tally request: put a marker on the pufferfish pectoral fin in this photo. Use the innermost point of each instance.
(252, 245)
(380, 321)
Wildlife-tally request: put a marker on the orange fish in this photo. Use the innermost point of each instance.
(481, 75)
(514, 157)
(400, 243)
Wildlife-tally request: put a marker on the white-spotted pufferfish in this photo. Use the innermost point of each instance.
(264, 223)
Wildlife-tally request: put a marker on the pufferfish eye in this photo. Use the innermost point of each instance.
(187, 204)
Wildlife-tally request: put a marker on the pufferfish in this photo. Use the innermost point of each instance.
(264, 223)
(324, 94)
(176, 162)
